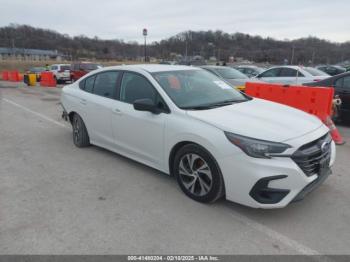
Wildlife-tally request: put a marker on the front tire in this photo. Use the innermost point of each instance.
(198, 174)
(80, 134)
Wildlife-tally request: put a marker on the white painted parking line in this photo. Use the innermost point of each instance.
(35, 113)
(300, 248)
(288, 242)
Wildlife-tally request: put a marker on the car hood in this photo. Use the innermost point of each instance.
(259, 119)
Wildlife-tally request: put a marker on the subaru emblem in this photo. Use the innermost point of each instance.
(324, 146)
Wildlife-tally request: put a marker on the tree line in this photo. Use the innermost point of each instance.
(186, 44)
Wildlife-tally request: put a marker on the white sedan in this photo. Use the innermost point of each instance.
(215, 140)
(292, 75)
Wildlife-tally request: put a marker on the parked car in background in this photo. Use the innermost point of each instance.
(192, 62)
(292, 75)
(341, 85)
(165, 62)
(250, 70)
(229, 74)
(37, 71)
(216, 141)
(61, 72)
(80, 69)
(332, 69)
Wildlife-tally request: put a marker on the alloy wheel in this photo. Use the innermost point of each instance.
(195, 174)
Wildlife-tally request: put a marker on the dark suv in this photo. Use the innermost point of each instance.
(332, 70)
(341, 85)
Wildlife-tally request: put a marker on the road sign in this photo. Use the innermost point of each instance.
(144, 32)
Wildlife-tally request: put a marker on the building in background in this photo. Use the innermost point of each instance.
(7, 53)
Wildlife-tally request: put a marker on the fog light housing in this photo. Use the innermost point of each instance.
(266, 195)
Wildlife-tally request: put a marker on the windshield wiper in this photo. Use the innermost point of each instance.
(214, 105)
(203, 107)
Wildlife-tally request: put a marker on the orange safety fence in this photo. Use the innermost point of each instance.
(14, 76)
(47, 79)
(313, 100)
(5, 75)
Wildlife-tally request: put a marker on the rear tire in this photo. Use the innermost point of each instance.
(80, 134)
(198, 174)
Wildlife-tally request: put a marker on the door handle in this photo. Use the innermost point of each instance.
(83, 101)
(117, 111)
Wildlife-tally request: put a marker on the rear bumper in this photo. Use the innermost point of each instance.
(61, 76)
(66, 78)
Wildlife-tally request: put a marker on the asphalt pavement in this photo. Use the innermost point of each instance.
(58, 199)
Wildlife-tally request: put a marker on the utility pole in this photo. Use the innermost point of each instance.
(144, 32)
(292, 59)
(313, 57)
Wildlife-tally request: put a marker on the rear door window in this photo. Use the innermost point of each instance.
(106, 84)
(274, 72)
(89, 84)
(346, 83)
(288, 72)
(339, 83)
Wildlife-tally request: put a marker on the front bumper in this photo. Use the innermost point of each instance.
(269, 183)
(313, 185)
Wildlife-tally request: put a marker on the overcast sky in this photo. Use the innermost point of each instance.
(125, 19)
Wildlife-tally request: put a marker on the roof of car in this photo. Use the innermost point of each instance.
(338, 66)
(288, 66)
(299, 68)
(152, 68)
(85, 62)
(215, 67)
(247, 66)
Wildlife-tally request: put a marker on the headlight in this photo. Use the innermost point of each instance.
(255, 147)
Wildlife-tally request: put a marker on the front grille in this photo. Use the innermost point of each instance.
(309, 156)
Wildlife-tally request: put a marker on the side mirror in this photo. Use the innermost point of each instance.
(146, 104)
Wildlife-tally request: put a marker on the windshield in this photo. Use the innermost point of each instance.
(192, 89)
(230, 73)
(65, 67)
(314, 71)
(259, 70)
(90, 66)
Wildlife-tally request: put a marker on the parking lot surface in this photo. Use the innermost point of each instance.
(58, 199)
